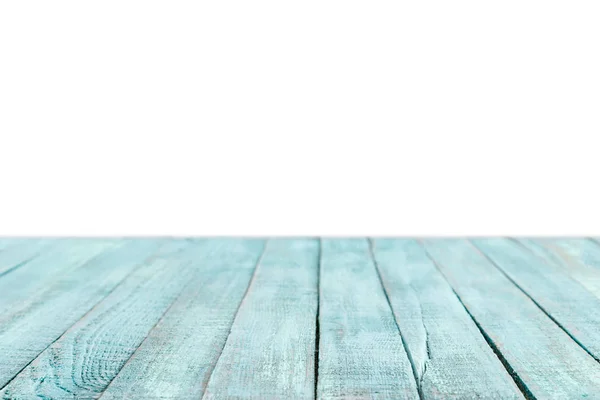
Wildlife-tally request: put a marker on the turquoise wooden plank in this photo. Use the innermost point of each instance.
(30, 280)
(178, 356)
(19, 253)
(451, 358)
(572, 306)
(270, 352)
(361, 355)
(544, 360)
(580, 259)
(90, 354)
(45, 317)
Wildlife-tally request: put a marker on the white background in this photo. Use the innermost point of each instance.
(299, 118)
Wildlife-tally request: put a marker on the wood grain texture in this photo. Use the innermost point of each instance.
(43, 318)
(546, 362)
(178, 356)
(220, 319)
(33, 278)
(452, 359)
(89, 355)
(269, 353)
(580, 258)
(572, 306)
(17, 253)
(361, 355)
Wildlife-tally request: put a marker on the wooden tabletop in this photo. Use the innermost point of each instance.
(306, 318)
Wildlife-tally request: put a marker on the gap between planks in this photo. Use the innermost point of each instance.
(184, 287)
(515, 377)
(418, 381)
(86, 313)
(252, 278)
(531, 297)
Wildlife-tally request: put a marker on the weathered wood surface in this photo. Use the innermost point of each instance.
(545, 361)
(579, 258)
(570, 304)
(89, 354)
(299, 319)
(176, 359)
(14, 254)
(450, 356)
(270, 352)
(32, 279)
(361, 355)
(44, 318)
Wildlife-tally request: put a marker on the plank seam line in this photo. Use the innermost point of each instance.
(535, 302)
(162, 316)
(404, 344)
(66, 330)
(317, 324)
(18, 265)
(511, 372)
(556, 260)
(250, 283)
(85, 314)
(549, 252)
